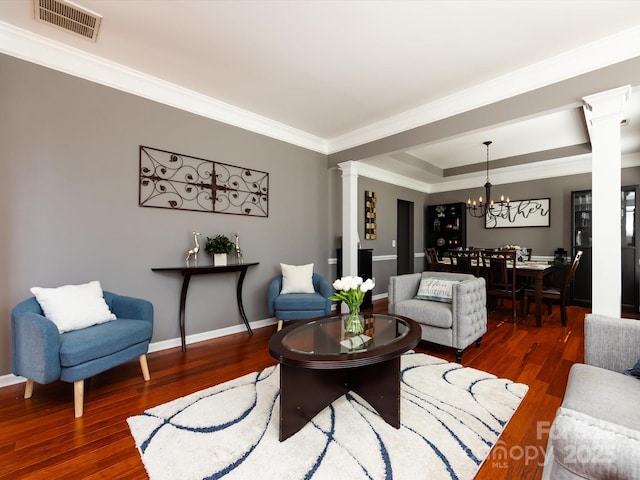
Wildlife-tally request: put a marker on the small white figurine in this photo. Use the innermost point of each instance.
(239, 259)
(194, 251)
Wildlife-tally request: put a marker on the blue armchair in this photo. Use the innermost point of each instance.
(299, 306)
(42, 354)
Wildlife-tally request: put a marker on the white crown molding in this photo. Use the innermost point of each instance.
(609, 51)
(547, 169)
(37, 49)
(34, 48)
(386, 176)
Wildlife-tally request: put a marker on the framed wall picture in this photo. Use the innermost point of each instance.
(370, 227)
(521, 213)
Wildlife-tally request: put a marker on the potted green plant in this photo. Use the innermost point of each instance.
(219, 246)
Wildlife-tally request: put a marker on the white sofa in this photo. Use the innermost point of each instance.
(457, 324)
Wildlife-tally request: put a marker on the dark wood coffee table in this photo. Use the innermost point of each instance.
(319, 364)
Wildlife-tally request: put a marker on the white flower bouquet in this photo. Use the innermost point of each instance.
(351, 290)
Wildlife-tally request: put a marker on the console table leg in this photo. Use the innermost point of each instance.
(243, 272)
(183, 300)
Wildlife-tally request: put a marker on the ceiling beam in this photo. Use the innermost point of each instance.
(558, 96)
(527, 158)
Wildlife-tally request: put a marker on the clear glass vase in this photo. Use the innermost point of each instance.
(354, 322)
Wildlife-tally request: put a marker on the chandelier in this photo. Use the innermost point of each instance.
(487, 208)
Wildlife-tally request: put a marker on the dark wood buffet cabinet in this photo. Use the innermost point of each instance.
(446, 227)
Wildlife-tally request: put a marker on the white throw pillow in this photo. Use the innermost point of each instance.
(297, 278)
(435, 289)
(73, 307)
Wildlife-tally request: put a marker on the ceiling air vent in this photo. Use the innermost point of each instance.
(68, 16)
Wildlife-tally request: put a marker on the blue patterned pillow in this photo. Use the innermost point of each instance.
(634, 371)
(435, 289)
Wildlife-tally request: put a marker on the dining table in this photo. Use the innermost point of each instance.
(536, 271)
(530, 270)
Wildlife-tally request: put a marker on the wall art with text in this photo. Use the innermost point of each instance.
(521, 213)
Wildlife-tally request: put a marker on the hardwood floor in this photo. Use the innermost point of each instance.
(41, 439)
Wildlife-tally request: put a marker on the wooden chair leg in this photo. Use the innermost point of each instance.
(28, 389)
(145, 367)
(459, 356)
(279, 325)
(78, 397)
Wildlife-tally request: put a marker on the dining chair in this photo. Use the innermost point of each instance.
(499, 267)
(431, 256)
(552, 294)
(466, 261)
(527, 282)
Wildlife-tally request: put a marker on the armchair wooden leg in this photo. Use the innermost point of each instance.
(145, 367)
(78, 397)
(28, 389)
(279, 325)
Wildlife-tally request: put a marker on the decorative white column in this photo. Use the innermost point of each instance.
(349, 218)
(603, 112)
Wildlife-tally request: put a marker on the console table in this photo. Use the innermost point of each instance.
(188, 272)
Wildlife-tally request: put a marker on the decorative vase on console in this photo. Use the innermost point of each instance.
(351, 290)
(219, 259)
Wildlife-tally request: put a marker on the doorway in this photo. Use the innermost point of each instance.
(404, 235)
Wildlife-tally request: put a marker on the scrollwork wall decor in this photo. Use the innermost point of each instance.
(182, 182)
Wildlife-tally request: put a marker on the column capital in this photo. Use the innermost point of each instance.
(349, 168)
(608, 103)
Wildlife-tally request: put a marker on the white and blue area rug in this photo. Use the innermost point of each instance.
(451, 417)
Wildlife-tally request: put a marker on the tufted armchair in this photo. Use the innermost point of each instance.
(455, 322)
(299, 306)
(42, 354)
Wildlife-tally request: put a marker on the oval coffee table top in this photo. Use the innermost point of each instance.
(321, 343)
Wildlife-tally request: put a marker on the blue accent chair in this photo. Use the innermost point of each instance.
(299, 306)
(42, 354)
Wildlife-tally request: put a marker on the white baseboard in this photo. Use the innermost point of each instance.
(200, 337)
(11, 379)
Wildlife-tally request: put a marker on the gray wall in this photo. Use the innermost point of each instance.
(542, 240)
(386, 220)
(69, 201)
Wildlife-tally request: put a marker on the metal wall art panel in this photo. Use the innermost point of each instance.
(370, 227)
(521, 213)
(181, 182)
